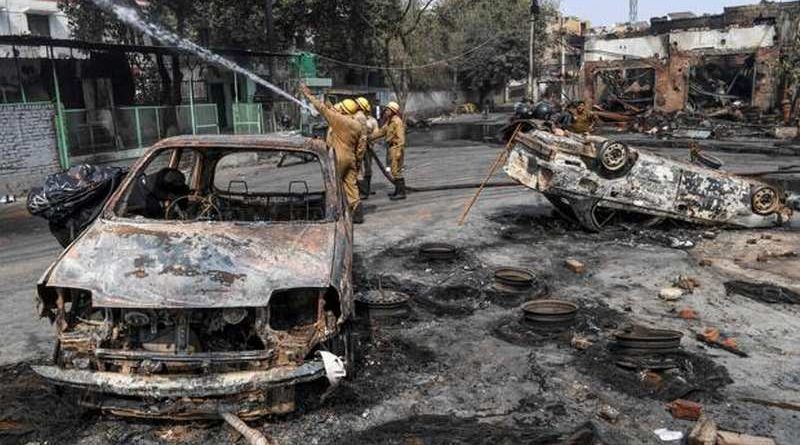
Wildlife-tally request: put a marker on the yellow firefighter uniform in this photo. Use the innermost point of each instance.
(395, 133)
(344, 137)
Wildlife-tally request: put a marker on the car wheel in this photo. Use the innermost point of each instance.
(614, 155)
(614, 159)
(765, 200)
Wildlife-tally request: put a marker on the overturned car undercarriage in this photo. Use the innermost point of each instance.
(592, 180)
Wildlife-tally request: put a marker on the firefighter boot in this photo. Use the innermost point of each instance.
(358, 214)
(400, 190)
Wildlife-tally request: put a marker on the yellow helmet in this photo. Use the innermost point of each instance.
(364, 104)
(394, 106)
(338, 107)
(350, 106)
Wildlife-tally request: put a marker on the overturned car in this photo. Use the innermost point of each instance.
(593, 180)
(213, 281)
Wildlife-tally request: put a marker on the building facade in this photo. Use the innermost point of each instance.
(692, 62)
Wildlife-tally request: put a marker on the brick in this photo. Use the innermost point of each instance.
(575, 266)
(728, 438)
(685, 409)
(704, 432)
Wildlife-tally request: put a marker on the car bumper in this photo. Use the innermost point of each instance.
(166, 386)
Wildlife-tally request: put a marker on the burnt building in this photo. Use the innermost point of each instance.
(683, 61)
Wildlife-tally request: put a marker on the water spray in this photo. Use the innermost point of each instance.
(132, 17)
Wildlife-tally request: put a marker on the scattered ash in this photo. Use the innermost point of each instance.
(511, 299)
(531, 225)
(441, 300)
(763, 292)
(33, 409)
(589, 322)
(517, 331)
(450, 430)
(693, 377)
(381, 361)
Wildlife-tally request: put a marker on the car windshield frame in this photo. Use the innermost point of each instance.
(117, 204)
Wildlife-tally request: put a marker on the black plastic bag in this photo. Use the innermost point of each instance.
(71, 200)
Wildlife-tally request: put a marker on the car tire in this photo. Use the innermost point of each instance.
(614, 159)
(765, 200)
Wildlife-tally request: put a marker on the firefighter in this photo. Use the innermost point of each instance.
(395, 133)
(344, 136)
(364, 116)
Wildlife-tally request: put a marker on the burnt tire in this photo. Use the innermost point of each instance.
(614, 159)
(765, 200)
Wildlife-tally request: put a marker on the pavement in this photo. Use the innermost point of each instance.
(461, 369)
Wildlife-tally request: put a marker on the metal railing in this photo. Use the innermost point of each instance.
(247, 118)
(92, 131)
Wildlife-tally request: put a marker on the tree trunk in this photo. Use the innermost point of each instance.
(177, 80)
(166, 81)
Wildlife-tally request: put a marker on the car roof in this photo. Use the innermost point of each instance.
(287, 142)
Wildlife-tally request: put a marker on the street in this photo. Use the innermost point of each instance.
(462, 367)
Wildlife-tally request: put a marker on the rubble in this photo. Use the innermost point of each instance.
(575, 266)
(685, 409)
(671, 293)
(704, 432)
(713, 337)
(730, 438)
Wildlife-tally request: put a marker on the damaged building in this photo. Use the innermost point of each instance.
(695, 63)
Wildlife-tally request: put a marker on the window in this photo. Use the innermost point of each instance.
(159, 185)
(270, 186)
(223, 184)
(39, 25)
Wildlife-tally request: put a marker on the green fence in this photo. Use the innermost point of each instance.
(124, 128)
(247, 118)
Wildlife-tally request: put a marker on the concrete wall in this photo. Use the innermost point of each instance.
(730, 39)
(645, 47)
(13, 12)
(28, 150)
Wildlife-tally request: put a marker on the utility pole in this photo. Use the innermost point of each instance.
(533, 90)
(634, 11)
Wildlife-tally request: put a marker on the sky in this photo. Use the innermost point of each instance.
(608, 12)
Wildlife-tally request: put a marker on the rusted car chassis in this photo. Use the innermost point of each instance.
(591, 178)
(169, 319)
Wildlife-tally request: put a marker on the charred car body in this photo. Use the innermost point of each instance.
(209, 283)
(593, 179)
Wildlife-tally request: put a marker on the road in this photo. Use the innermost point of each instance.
(444, 373)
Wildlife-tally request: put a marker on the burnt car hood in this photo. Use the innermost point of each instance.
(201, 265)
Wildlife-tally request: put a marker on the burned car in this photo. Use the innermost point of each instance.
(593, 180)
(213, 281)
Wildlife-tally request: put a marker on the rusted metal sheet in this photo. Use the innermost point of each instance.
(568, 167)
(195, 265)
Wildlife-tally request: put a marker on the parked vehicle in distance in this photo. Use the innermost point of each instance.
(209, 282)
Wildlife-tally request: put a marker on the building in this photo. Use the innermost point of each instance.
(684, 61)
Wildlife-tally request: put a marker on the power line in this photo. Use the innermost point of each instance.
(407, 68)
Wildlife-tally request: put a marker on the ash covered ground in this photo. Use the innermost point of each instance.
(463, 367)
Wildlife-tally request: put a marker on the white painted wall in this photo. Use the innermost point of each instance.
(597, 49)
(731, 39)
(13, 19)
